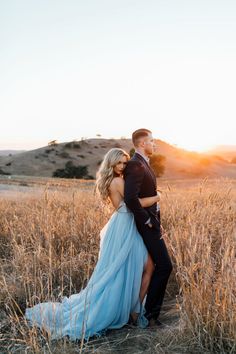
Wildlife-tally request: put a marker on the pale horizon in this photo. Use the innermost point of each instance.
(77, 69)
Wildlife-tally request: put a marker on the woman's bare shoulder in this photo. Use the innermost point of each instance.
(117, 182)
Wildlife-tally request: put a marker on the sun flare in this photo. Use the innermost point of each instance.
(201, 148)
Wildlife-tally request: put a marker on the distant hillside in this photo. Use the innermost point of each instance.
(44, 161)
(10, 152)
(227, 152)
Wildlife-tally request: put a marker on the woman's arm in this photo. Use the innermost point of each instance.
(147, 202)
(117, 185)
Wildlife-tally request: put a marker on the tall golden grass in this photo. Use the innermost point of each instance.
(49, 245)
(201, 228)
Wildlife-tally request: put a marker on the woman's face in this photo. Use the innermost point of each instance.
(120, 166)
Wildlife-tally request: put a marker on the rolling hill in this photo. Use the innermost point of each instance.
(45, 160)
(227, 152)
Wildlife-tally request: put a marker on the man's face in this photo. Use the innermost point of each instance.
(149, 144)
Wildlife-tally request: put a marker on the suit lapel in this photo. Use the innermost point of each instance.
(147, 166)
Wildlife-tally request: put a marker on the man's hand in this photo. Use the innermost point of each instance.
(158, 196)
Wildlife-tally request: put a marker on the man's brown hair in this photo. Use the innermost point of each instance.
(140, 133)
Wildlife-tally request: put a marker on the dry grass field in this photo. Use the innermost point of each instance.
(49, 241)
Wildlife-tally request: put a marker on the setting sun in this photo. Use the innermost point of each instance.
(197, 148)
(93, 75)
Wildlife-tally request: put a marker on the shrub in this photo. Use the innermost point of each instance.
(90, 177)
(157, 163)
(71, 171)
(64, 155)
(72, 145)
(3, 173)
(47, 151)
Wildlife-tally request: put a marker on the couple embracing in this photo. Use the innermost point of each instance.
(129, 280)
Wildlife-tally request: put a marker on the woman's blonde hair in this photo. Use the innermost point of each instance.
(106, 172)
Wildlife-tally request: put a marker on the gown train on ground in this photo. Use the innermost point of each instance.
(112, 292)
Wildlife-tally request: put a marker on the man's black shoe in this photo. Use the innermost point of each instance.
(157, 323)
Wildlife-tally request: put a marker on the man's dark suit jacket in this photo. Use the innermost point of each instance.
(140, 182)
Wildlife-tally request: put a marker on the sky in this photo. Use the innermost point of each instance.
(78, 68)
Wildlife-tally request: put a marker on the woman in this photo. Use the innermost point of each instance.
(122, 274)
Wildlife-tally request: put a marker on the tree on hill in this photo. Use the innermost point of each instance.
(157, 162)
(72, 171)
(131, 152)
(52, 143)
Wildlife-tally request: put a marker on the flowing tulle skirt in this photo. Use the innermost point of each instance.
(112, 292)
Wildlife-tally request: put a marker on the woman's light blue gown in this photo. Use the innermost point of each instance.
(112, 292)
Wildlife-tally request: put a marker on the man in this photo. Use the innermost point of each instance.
(140, 182)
